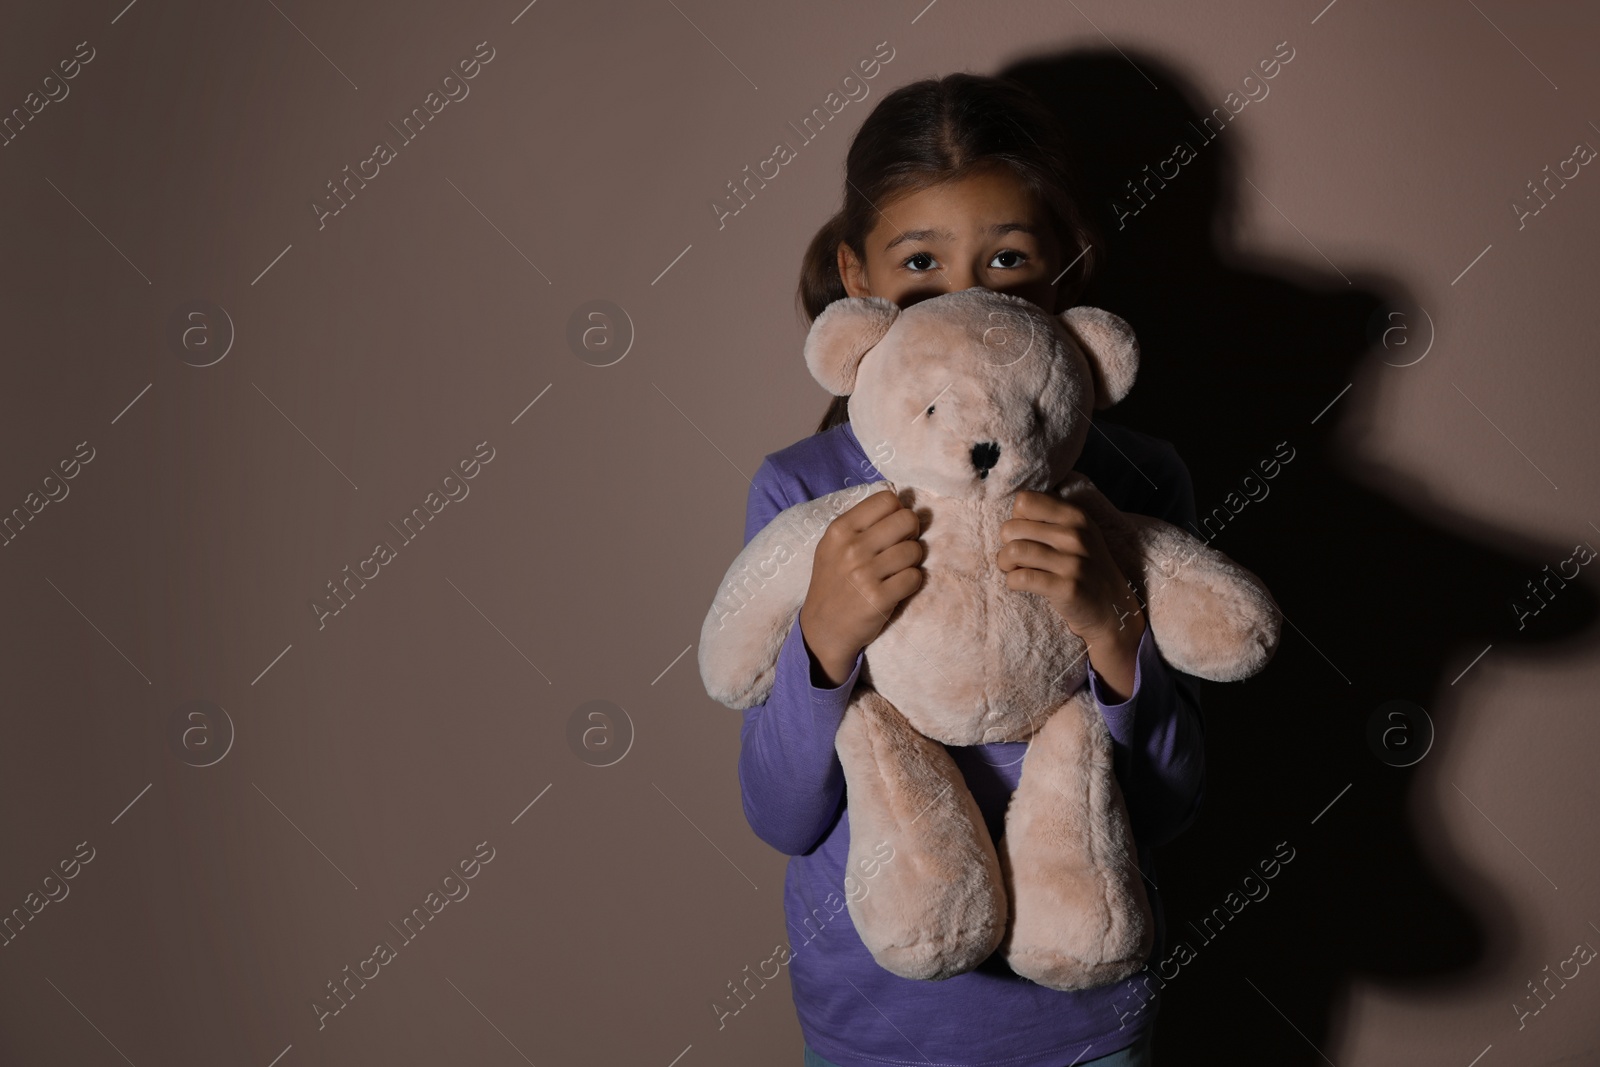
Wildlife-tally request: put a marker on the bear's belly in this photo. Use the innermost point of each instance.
(965, 659)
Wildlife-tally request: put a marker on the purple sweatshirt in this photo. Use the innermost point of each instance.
(851, 1010)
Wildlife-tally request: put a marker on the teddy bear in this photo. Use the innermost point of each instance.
(967, 398)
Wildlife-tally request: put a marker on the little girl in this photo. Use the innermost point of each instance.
(952, 183)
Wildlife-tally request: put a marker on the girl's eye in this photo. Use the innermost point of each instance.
(925, 260)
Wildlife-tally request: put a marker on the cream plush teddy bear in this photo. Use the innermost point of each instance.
(965, 399)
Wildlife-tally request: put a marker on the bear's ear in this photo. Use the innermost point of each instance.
(1112, 349)
(844, 332)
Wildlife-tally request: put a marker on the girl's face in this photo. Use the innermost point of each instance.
(982, 230)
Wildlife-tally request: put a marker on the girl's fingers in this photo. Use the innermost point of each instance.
(1044, 507)
(869, 511)
(902, 584)
(1065, 538)
(1024, 552)
(1033, 580)
(897, 557)
(892, 527)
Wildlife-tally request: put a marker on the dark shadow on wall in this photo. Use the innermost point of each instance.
(1386, 594)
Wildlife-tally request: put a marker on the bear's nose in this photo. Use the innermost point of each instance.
(984, 457)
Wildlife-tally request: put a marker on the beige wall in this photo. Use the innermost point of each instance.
(370, 755)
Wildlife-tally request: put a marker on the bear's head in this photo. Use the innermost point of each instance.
(974, 393)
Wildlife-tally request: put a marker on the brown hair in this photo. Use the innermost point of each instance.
(938, 130)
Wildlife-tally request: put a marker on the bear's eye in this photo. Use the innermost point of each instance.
(930, 409)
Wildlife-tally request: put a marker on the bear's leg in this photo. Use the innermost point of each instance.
(1079, 914)
(935, 907)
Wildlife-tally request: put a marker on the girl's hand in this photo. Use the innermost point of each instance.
(866, 562)
(1054, 549)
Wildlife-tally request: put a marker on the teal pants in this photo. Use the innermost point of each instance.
(1135, 1055)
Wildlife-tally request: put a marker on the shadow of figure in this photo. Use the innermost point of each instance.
(1386, 594)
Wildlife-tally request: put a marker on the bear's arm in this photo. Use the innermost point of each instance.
(1209, 616)
(759, 596)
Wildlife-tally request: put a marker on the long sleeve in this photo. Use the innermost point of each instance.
(1158, 733)
(789, 772)
(1158, 745)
